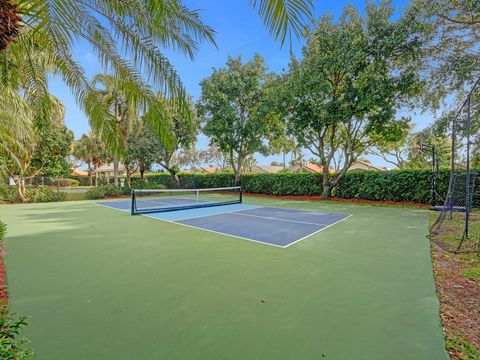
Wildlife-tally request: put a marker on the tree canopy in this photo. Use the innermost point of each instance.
(342, 97)
(230, 105)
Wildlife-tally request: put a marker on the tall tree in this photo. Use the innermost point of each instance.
(120, 113)
(230, 105)
(341, 98)
(185, 135)
(90, 150)
(22, 138)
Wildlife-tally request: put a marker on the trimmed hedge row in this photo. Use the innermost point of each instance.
(395, 185)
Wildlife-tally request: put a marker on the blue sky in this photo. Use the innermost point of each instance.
(239, 32)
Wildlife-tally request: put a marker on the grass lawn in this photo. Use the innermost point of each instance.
(101, 284)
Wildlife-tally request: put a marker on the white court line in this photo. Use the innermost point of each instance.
(277, 219)
(213, 231)
(316, 232)
(112, 207)
(225, 212)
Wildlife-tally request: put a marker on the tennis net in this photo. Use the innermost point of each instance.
(160, 200)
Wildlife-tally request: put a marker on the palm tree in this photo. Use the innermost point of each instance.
(90, 150)
(9, 23)
(126, 36)
(119, 113)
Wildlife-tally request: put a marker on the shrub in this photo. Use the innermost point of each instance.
(33, 194)
(65, 182)
(283, 184)
(82, 180)
(44, 194)
(106, 191)
(139, 184)
(13, 347)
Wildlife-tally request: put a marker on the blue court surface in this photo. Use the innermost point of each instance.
(268, 225)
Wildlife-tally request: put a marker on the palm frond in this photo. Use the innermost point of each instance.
(282, 17)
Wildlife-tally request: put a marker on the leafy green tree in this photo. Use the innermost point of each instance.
(143, 149)
(450, 53)
(341, 98)
(21, 138)
(50, 157)
(230, 105)
(185, 136)
(398, 150)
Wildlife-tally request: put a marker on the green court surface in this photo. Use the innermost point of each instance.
(101, 284)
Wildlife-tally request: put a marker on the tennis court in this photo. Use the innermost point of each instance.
(99, 283)
(201, 209)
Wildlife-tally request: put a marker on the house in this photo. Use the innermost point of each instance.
(309, 167)
(271, 169)
(79, 172)
(363, 165)
(107, 169)
(209, 170)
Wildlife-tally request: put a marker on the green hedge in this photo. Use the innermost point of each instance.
(106, 191)
(395, 185)
(33, 194)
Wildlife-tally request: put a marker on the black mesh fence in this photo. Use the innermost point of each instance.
(456, 223)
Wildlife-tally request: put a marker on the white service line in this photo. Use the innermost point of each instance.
(215, 232)
(277, 219)
(316, 232)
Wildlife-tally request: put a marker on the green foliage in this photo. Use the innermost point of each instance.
(230, 105)
(472, 274)
(54, 146)
(34, 194)
(146, 184)
(450, 40)
(462, 348)
(81, 180)
(342, 97)
(106, 191)
(12, 346)
(395, 185)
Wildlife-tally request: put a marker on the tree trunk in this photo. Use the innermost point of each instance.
(327, 191)
(115, 170)
(19, 181)
(176, 179)
(129, 177)
(142, 170)
(326, 185)
(238, 173)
